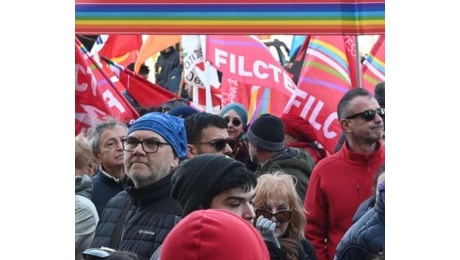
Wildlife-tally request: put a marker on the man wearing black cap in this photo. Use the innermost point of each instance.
(213, 181)
(139, 218)
(267, 149)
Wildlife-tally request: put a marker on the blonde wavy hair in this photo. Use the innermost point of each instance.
(279, 186)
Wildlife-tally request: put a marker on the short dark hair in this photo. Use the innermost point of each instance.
(195, 123)
(168, 105)
(344, 103)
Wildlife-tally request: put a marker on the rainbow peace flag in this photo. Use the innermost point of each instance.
(352, 17)
(374, 65)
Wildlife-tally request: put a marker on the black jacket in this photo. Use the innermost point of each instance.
(104, 188)
(166, 62)
(150, 218)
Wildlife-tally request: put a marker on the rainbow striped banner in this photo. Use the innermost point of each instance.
(352, 17)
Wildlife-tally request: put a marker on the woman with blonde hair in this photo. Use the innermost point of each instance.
(276, 199)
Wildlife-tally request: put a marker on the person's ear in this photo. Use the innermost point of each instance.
(192, 151)
(345, 124)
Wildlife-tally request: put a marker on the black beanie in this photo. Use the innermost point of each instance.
(194, 179)
(267, 132)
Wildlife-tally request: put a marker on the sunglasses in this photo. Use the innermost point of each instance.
(281, 216)
(218, 144)
(369, 115)
(97, 253)
(235, 121)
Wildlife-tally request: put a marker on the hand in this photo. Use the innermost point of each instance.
(266, 228)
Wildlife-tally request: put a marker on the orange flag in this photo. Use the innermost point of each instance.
(152, 45)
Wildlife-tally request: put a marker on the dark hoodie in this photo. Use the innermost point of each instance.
(293, 161)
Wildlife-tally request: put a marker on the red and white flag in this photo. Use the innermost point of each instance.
(249, 61)
(328, 72)
(95, 95)
(146, 93)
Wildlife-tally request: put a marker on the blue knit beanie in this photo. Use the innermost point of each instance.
(169, 127)
(182, 111)
(239, 109)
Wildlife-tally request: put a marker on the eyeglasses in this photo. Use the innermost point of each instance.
(235, 121)
(281, 216)
(148, 145)
(369, 115)
(97, 253)
(218, 144)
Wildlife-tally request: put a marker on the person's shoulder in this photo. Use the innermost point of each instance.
(328, 162)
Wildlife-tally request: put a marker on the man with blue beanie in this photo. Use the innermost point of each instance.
(139, 218)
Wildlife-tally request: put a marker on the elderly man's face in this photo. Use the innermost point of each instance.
(147, 168)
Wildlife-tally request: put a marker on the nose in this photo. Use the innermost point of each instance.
(249, 212)
(228, 149)
(139, 149)
(119, 145)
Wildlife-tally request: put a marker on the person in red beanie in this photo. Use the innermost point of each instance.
(214, 234)
(299, 133)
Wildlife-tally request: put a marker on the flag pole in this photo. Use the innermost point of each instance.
(358, 63)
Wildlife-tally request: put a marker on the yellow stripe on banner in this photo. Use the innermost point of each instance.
(214, 23)
(253, 102)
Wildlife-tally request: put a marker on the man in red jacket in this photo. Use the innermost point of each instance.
(341, 181)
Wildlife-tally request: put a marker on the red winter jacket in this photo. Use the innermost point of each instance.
(338, 184)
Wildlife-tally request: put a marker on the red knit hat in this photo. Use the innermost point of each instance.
(298, 127)
(214, 234)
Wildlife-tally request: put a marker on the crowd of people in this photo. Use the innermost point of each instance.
(183, 184)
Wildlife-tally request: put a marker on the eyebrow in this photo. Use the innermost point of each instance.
(239, 198)
(148, 138)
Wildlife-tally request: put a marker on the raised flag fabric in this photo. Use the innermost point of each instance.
(146, 93)
(261, 17)
(258, 100)
(152, 45)
(248, 61)
(118, 49)
(373, 68)
(325, 76)
(118, 45)
(197, 75)
(95, 96)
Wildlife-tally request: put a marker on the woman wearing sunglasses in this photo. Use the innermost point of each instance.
(277, 200)
(236, 116)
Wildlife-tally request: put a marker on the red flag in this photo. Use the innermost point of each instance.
(374, 65)
(95, 95)
(326, 75)
(146, 93)
(249, 61)
(119, 44)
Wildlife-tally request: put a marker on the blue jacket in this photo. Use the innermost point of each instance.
(366, 237)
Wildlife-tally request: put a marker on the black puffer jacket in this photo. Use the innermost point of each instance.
(151, 216)
(365, 238)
